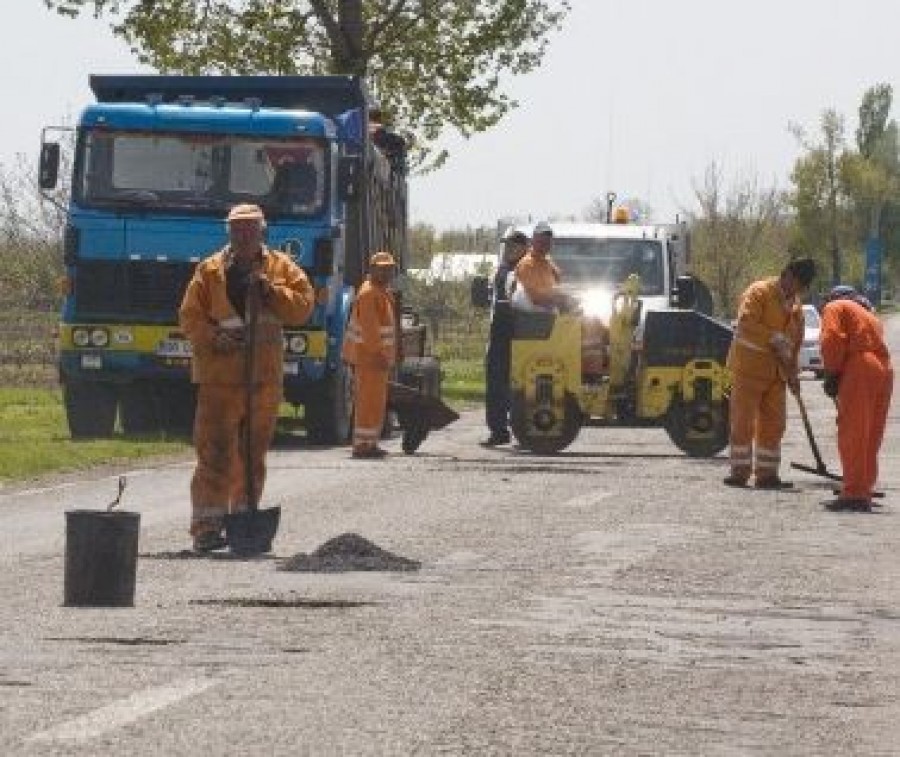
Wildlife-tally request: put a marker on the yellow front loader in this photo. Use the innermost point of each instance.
(665, 369)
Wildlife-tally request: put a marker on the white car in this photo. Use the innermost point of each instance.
(810, 358)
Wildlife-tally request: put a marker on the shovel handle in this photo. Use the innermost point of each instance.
(252, 312)
(809, 433)
(123, 481)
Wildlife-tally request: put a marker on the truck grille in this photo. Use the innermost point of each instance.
(131, 290)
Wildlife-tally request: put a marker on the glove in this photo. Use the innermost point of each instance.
(830, 384)
(228, 340)
(259, 279)
(782, 347)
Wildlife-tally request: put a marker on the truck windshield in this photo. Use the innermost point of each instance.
(201, 172)
(610, 261)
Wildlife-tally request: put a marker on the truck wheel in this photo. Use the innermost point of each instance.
(522, 418)
(139, 409)
(329, 412)
(177, 406)
(90, 409)
(699, 428)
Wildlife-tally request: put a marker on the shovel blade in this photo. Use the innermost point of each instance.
(251, 532)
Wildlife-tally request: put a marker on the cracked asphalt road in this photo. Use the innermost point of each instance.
(613, 599)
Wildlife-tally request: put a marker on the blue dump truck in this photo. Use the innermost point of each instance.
(158, 161)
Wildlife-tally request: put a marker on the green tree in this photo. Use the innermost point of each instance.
(432, 65)
(820, 199)
(873, 174)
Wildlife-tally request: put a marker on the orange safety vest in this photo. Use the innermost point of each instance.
(370, 338)
(763, 312)
(205, 308)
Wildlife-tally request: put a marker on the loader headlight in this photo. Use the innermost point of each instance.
(99, 337)
(81, 337)
(298, 344)
(597, 303)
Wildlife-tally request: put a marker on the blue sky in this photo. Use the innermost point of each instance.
(637, 97)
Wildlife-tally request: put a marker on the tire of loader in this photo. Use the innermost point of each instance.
(544, 445)
(699, 428)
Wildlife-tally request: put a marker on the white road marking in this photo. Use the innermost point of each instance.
(588, 499)
(124, 711)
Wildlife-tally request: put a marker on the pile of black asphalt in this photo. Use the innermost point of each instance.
(348, 552)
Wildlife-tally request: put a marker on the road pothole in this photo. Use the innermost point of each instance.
(348, 552)
(126, 641)
(270, 603)
(190, 554)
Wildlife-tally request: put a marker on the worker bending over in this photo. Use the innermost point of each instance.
(762, 360)
(214, 317)
(858, 374)
(369, 346)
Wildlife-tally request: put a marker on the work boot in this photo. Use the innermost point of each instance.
(209, 541)
(495, 440)
(773, 483)
(735, 479)
(849, 504)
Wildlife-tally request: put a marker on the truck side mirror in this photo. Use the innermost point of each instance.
(48, 166)
(349, 177)
(481, 292)
(684, 294)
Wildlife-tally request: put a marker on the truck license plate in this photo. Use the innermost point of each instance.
(173, 348)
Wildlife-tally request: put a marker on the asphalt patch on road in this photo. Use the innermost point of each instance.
(348, 552)
(190, 554)
(272, 603)
(128, 641)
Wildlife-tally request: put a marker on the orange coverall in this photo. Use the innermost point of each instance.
(758, 399)
(853, 347)
(369, 346)
(218, 485)
(537, 276)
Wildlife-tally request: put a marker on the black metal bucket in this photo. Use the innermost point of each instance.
(101, 558)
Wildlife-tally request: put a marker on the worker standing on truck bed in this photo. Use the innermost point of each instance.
(212, 315)
(369, 346)
(762, 360)
(497, 357)
(859, 375)
(537, 276)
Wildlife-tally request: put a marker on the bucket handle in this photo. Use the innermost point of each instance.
(123, 481)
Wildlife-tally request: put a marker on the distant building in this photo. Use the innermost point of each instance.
(455, 266)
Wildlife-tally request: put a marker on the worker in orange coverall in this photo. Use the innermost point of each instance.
(213, 316)
(859, 375)
(369, 346)
(762, 360)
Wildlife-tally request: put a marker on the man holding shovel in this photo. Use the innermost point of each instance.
(859, 376)
(215, 315)
(763, 360)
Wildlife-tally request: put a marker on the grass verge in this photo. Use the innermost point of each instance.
(34, 439)
(462, 386)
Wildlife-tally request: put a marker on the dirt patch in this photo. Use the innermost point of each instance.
(190, 554)
(348, 552)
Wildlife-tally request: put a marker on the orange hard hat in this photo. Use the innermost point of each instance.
(382, 259)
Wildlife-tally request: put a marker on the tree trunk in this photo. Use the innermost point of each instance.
(349, 58)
